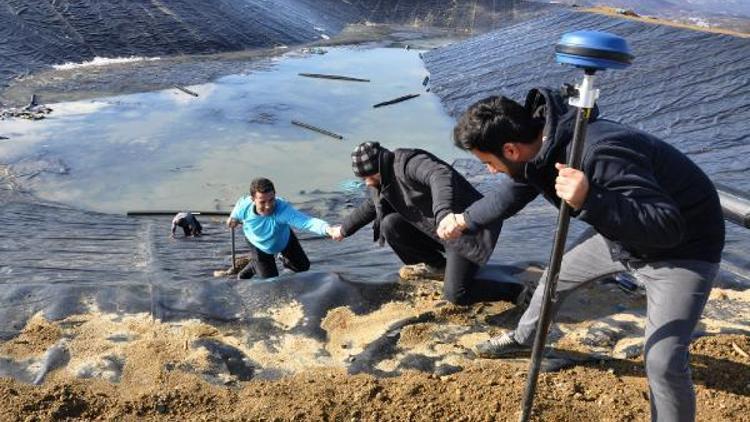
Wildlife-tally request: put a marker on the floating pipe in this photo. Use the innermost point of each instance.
(396, 100)
(186, 91)
(140, 213)
(335, 77)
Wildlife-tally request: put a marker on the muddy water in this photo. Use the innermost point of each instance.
(170, 150)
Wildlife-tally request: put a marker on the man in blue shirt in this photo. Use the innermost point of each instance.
(267, 221)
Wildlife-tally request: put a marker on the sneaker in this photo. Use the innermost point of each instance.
(500, 347)
(421, 271)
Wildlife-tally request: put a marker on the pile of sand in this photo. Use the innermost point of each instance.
(486, 391)
(135, 366)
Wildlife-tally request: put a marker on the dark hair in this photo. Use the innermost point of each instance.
(492, 122)
(262, 185)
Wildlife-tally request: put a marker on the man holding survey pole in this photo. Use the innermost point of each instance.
(652, 211)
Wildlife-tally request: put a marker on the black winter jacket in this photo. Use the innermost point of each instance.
(423, 189)
(644, 194)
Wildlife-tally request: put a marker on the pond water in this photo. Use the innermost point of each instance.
(170, 150)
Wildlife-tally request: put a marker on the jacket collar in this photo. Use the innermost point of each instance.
(386, 169)
(559, 124)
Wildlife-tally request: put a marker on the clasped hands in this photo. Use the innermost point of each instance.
(571, 185)
(335, 233)
(451, 226)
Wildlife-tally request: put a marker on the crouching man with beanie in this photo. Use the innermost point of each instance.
(266, 221)
(409, 192)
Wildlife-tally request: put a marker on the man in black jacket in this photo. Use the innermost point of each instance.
(410, 190)
(653, 213)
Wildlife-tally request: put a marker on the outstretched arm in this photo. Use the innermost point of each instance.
(359, 218)
(502, 203)
(428, 170)
(509, 198)
(302, 221)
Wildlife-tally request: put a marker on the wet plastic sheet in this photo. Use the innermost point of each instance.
(63, 262)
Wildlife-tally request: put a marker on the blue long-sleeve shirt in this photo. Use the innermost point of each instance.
(270, 233)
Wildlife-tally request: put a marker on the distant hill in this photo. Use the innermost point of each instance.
(737, 8)
(727, 14)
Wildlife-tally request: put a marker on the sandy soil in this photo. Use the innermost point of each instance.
(488, 390)
(319, 388)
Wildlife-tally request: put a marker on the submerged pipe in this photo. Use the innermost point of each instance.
(735, 204)
(186, 91)
(317, 129)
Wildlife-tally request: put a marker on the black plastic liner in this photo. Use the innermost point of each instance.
(61, 261)
(688, 87)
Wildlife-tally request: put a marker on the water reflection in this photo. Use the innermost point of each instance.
(170, 150)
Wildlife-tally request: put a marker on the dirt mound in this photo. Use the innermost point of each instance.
(488, 390)
(417, 354)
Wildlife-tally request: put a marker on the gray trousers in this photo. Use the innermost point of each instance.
(676, 293)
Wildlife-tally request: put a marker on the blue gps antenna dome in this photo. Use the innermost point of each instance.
(593, 50)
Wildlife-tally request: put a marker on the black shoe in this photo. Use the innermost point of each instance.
(247, 272)
(501, 347)
(286, 264)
